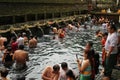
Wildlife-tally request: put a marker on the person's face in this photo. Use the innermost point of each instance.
(87, 47)
(56, 72)
(65, 69)
(105, 37)
(110, 30)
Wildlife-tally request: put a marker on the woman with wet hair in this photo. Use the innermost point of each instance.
(85, 66)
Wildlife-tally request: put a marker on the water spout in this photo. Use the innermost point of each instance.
(26, 27)
(12, 31)
(14, 34)
(29, 31)
(38, 26)
(41, 30)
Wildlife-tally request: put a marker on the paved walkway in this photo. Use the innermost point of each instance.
(115, 74)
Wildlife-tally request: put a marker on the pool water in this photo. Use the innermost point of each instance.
(50, 52)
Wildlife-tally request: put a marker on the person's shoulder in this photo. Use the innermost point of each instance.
(48, 68)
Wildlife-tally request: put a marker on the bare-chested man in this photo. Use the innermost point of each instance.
(3, 41)
(32, 42)
(20, 56)
(51, 73)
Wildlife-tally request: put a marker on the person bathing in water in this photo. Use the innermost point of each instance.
(20, 57)
(51, 73)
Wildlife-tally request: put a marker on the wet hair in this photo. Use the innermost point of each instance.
(19, 34)
(70, 74)
(9, 48)
(31, 36)
(105, 34)
(90, 56)
(21, 47)
(90, 43)
(97, 32)
(14, 38)
(56, 67)
(64, 65)
(4, 72)
(35, 37)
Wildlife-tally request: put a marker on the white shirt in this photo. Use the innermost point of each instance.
(63, 74)
(20, 41)
(112, 40)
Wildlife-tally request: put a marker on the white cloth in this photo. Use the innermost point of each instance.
(112, 41)
(63, 74)
(20, 41)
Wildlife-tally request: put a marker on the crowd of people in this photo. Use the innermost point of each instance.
(89, 66)
(13, 54)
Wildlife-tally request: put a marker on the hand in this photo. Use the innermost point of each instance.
(107, 55)
(78, 61)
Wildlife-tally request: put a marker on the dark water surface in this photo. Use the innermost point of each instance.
(50, 52)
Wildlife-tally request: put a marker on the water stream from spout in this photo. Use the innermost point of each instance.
(41, 30)
(14, 34)
(29, 31)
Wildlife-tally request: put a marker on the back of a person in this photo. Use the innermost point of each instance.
(20, 56)
(32, 43)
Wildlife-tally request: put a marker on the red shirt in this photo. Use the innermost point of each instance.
(103, 42)
(14, 46)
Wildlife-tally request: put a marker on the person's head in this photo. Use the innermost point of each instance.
(55, 30)
(19, 35)
(9, 48)
(97, 32)
(105, 35)
(31, 36)
(21, 47)
(14, 39)
(64, 66)
(4, 72)
(70, 74)
(89, 45)
(112, 28)
(86, 53)
(56, 68)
